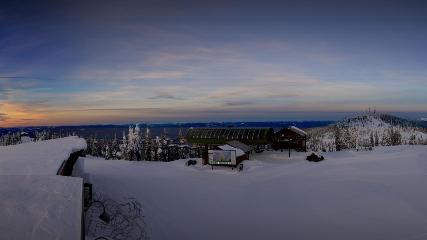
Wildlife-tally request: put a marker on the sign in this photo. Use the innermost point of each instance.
(222, 157)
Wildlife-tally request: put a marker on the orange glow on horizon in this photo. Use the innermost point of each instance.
(19, 115)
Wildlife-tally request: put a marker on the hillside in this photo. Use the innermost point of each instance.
(365, 131)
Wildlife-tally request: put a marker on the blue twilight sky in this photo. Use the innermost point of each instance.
(87, 62)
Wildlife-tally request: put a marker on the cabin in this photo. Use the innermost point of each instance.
(290, 138)
(230, 154)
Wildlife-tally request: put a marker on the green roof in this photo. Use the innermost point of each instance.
(249, 136)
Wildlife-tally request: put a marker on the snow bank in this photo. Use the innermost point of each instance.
(38, 158)
(377, 194)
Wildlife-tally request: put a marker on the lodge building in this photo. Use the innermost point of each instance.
(290, 138)
(246, 140)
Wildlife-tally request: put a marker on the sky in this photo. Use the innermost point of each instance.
(102, 62)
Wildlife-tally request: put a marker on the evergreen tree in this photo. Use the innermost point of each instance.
(377, 139)
(124, 148)
(337, 136)
(371, 139)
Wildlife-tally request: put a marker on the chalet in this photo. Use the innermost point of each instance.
(231, 154)
(290, 138)
(244, 139)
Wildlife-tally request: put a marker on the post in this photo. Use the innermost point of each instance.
(305, 144)
(205, 155)
(289, 151)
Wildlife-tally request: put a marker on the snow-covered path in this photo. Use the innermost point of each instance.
(352, 195)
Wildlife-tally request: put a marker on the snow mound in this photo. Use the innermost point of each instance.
(38, 158)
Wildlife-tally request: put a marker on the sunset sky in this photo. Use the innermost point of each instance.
(97, 62)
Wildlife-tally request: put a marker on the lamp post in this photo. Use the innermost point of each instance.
(288, 143)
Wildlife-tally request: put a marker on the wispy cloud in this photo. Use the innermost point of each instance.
(110, 66)
(3, 117)
(238, 103)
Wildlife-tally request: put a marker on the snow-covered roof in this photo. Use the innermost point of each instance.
(40, 207)
(35, 203)
(239, 145)
(38, 158)
(297, 130)
(239, 152)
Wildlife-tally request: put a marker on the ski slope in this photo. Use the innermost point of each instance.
(377, 194)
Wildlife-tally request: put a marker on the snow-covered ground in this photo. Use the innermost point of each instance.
(377, 194)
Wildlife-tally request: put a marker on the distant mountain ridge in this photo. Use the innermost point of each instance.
(366, 131)
(110, 131)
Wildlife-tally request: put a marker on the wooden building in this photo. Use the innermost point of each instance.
(234, 152)
(290, 138)
(245, 139)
